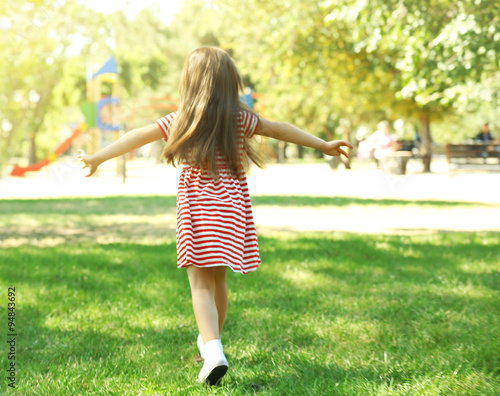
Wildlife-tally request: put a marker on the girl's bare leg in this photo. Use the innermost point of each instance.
(209, 293)
(220, 295)
(202, 283)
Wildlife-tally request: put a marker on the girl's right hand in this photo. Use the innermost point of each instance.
(334, 147)
(89, 162)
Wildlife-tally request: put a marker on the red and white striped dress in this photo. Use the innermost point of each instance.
(215, 224)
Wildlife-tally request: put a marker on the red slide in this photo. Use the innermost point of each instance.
(60, 148)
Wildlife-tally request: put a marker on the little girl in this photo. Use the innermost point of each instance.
(210, 135)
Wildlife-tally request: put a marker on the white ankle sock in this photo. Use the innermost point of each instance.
(213, 348)
(201, 345)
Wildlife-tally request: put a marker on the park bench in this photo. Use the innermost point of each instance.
(406, 145)
(464, 153)
(396, 161)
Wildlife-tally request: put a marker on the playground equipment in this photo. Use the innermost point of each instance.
(58, 150)
(100, 111)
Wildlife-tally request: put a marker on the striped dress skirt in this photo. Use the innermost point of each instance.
(215, 225)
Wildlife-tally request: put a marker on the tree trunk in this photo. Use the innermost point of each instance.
(425, 140)
(347, 136)
(281, 152)
(157, 151)
(300, 151)
(32, 155)
(35, 125)
(346, 132)
(5, 150)
(329, 134)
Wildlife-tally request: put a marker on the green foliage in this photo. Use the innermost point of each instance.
(47, 48)
(39, 74)
(435, 46)
(309, 74)
(315, 62)
(363, 60)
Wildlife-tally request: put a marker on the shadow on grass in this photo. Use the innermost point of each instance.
(159, 204)
(90, 359)
(131, 205)
(308, 376)
(101, 273)
(345, 201)
(111, 315)
(359, 297)
(323, 309)
(418, 258)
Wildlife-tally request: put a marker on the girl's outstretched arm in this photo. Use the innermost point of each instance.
(292, 134)
(130, 141)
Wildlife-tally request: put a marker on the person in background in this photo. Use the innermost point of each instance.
(484, 135)
(382, 142)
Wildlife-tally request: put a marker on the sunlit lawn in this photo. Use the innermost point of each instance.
(103, 310)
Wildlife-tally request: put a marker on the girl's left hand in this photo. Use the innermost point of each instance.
(334, 147)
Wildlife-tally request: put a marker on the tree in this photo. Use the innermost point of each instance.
(309, 74)
(436, 47)
(38, 43)
(46, 49)
(361, 58)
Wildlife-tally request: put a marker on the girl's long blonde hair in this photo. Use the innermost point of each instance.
(207, 119)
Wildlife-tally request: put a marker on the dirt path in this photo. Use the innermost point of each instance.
(376, 219)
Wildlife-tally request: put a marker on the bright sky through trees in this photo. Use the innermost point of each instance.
(166, 8)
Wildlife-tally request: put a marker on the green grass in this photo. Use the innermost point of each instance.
(158, 203)
(326, 314)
